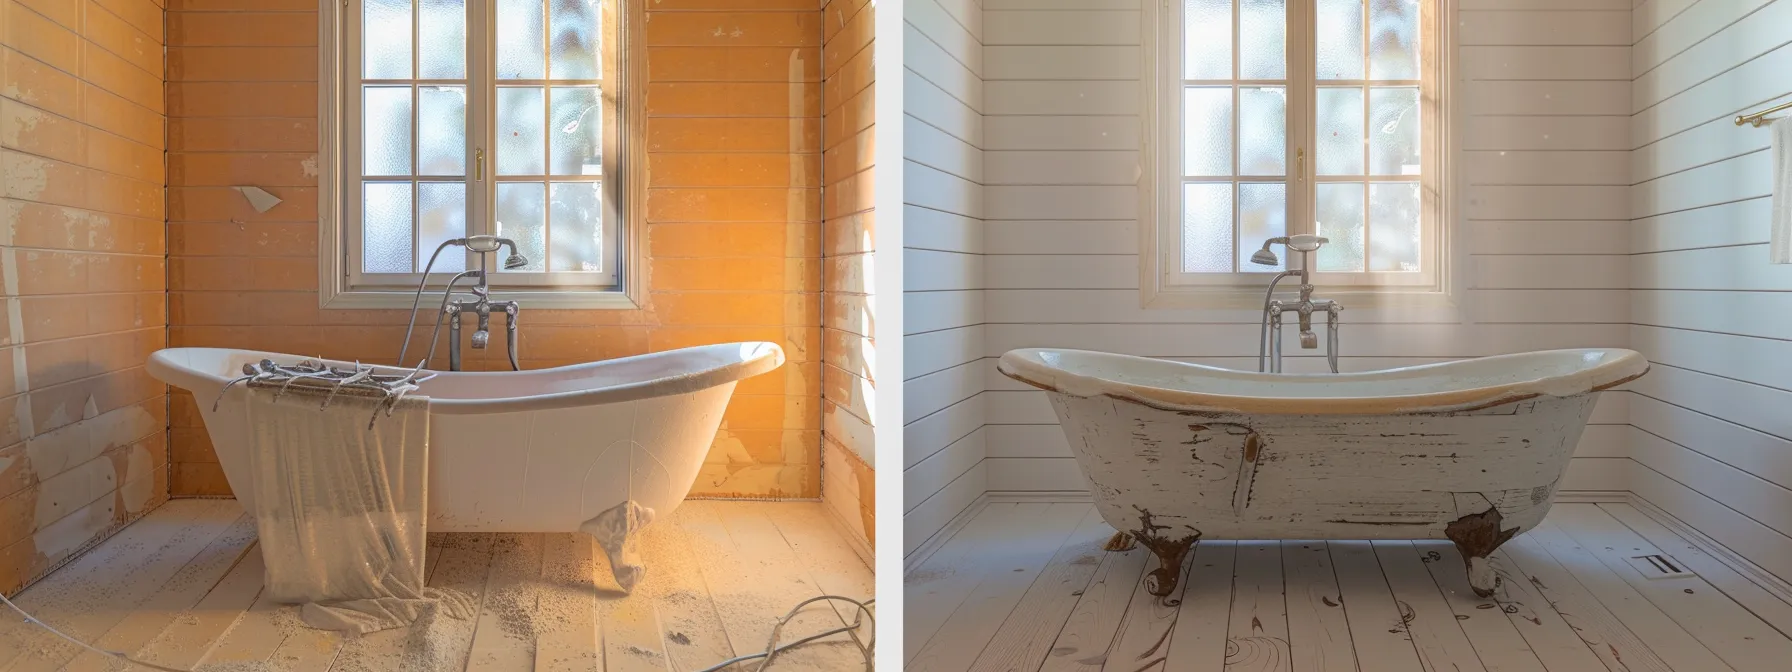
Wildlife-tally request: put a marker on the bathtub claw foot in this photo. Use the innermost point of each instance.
(1477, 536)
(1170, 552)
(1121, 542)
(615, 531)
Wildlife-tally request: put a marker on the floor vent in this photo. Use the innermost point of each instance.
(1658, 566)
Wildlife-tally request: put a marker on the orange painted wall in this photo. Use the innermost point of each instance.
(734, 219)
(82, 447)
(849, 136)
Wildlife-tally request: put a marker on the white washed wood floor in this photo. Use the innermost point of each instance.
(1027, 587)
(182, 587)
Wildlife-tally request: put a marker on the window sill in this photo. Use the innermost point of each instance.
(1251, 298)
(554, 299)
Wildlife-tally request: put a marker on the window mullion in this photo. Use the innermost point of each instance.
(479, 123)
(1301, 37)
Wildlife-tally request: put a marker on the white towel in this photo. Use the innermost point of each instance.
(1781, 222)
(340, 509)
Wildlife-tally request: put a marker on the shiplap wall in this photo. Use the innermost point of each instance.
(1546, 162)
(944, 369)
(1707, 308)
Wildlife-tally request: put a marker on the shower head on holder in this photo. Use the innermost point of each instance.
(485, 243)
(1298, 243)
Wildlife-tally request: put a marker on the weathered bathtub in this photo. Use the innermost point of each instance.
(1469, 451)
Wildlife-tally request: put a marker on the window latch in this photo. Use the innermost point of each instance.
(479, 165)
(1300, 164)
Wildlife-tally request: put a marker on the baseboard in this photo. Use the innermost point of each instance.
(933, 543)
(860, 546)
(1774, 585)
(1564, 496)
(1593, 497)
(1045, 496)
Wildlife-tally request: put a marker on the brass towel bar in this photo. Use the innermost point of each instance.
(1759, 118)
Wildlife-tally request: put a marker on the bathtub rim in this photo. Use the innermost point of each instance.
(173, 366)
(1621, 366)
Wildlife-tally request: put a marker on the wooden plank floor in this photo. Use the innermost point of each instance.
(183, 587)
(1026, 586)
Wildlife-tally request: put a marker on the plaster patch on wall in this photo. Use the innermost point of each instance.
(72, 532)
(59, 449)
(309, 166)
(139, 480)
(60, 495)
(25, 177)
(21, 121)
(60, 416)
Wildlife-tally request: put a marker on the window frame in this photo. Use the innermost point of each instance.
(1161, 281)
(340, 282)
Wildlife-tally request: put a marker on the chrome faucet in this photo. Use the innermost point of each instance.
(1269, 337)
(480, 305)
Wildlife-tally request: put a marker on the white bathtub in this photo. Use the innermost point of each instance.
(1470, 451)
(532, 451)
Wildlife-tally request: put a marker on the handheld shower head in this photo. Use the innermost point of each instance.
(485, 243)
(1265, 257)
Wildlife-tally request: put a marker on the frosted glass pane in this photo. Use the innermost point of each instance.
(522, 217)
(442, 214)
(1207, 228)
(442, 27)
(1340, 50)
(386, 39)
(575, 30)
(1263, 27)
(386, 130)
(442, 132)
(1262, 214)
(1394, 227)
(522, 53)
(576, 133)
(1339, 130)
(386, 227)
(1394, 39)
(520, 135)
(1338, 211)
(1207, 39)
(1207, 131)
(1263, 129)
(575, 224)
(1394, 120)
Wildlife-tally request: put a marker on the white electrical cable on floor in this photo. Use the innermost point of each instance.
(109, 654)
(772, 649)
(771, 652)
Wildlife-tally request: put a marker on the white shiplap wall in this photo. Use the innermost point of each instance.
(1712, 445)
(943, 211)
(1546, 138)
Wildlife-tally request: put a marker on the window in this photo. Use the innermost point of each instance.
(1279, 117)
(464, 117)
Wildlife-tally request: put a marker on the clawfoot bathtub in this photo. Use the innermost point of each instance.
(1469, 451)
(600, 448)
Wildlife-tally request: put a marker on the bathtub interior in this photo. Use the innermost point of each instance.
(663, 369)
(1577, 370)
